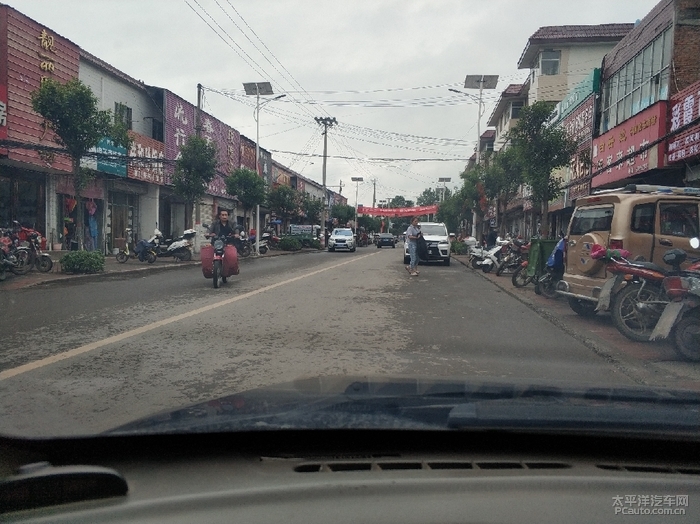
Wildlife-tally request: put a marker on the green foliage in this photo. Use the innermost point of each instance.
(343, 213)
(71, 111)
(428, 197)
(312, 209)
(369, 223)
(285, 202)
(247, 186)
(194, 169)
(289, 243)
(458, 248)
(539, 149)
(82, 262)
(397, 201)
(450, 212)
(315, 244)
(472, 192)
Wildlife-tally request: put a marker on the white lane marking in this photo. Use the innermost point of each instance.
(13, 372)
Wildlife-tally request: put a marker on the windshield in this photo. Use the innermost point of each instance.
(322, 131)
(433, 230)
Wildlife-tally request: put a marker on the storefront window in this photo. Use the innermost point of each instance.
(122, 213)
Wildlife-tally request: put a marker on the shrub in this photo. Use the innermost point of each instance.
(316, 244)
(290, 244)
(82, 262)
(458, 248)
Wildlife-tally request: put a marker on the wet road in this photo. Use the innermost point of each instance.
(82, 358)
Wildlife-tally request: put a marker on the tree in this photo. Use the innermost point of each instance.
(248, 187)
(343, 213)
(194, 170)
(285, 202)
(312, 209)
(428, 197)
(540, 149)
(399, 201)
(369, 223)
(71, 111)
(502, 178)
(472, 193)
(450, 212)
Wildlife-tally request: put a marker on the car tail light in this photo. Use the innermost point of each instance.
(678, 287)
(616, 244)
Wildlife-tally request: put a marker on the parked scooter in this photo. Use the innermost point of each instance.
(681, 317)
(244, 247)
(144, 250)
(494, 256)
(180, 248)
(29, 239)
(546, 284)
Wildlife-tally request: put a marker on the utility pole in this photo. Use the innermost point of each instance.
(374, 192)
(198, 132)
(326, 122)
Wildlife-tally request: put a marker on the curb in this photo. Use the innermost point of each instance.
(602, 350)
(105, 275)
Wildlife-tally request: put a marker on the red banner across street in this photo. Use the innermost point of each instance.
(397, 211)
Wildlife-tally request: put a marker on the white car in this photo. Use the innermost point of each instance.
(435, 234)
(341, 238)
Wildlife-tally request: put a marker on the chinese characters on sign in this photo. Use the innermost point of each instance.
(46, 63)
(579, 126)
(645, 504)
(685, 107)
(624, 140)
(152, 152)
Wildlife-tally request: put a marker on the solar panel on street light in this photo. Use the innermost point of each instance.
(258, 88)
(481, 81)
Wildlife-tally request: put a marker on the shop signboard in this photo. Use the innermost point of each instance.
(32, 54)
(146, 159)
(106, 158)
(624, 140)
(579, 126)
(3, 112)
(685, 108)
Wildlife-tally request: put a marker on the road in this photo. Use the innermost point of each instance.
(81, 358)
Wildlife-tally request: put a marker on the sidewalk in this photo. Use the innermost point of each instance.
(598, 333)
(132, 267)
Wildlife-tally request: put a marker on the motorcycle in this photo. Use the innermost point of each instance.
(681, 317)
(494, 256)
(144, 250)
(219, 259)
(270, 238)
(520, 277)
(244, 245)
(14, 258)
(477, 254)
(180, 248)
(635, 295)
(517, 252)
(32, 238)
(546, 284)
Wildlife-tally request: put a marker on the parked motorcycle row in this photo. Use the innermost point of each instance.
(20, 251)
(647, 302)
(158, 247)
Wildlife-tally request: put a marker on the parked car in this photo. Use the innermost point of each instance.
(435, 234)
(645, 220)
(386, 239)
(341, 238)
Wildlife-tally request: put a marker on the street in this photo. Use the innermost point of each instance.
(82, 358)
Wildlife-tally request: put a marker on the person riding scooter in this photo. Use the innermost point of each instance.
(222, 227)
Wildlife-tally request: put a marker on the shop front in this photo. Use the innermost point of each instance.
(80, 219)
(22, 198)
(123, 212)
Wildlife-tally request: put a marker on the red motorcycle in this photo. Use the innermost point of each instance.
(635, 295)
(680, 319)
(219, 260)
(37, 258)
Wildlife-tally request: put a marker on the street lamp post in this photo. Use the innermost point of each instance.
(257, 89)
(479, 82)
(356, 179)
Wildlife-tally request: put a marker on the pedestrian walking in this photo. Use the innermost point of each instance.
(412, 234)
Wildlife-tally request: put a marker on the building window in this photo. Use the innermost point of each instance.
(641, 82)
(549, 62)
(515, 108)
(157, 130)
(122, 113)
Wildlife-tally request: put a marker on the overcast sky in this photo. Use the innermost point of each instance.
(382, 68)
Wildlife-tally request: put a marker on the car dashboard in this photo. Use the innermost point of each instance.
(364, 476)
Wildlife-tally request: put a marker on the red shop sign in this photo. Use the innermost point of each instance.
(623, 140)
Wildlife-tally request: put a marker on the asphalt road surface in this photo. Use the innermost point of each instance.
(82, 358)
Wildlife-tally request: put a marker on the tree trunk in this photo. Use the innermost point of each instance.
(189, 207)
(544, 222)
(79, 233)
